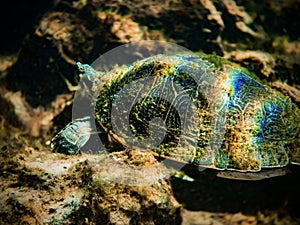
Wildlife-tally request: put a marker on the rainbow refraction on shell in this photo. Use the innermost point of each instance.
(192, 109)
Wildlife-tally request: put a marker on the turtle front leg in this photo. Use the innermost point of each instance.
(73, 137)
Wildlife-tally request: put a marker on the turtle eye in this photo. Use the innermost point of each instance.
(80, 67)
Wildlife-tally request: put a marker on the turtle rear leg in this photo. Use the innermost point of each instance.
(73, 137)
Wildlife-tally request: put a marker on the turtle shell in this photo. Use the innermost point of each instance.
(192, 110)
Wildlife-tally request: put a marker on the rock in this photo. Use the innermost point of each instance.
(263, 64)
(47, 188)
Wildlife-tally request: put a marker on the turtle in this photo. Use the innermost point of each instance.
(195, 109)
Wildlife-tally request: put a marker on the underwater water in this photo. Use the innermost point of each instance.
(38, 77)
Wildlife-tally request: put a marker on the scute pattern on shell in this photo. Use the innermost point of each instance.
(240, 124)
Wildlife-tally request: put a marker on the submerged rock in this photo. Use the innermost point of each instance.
(47, 188)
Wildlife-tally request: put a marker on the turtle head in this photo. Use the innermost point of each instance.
(86, 71)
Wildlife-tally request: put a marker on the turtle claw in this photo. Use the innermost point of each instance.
(73, 137)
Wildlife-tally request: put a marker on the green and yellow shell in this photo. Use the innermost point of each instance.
(199, 110)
